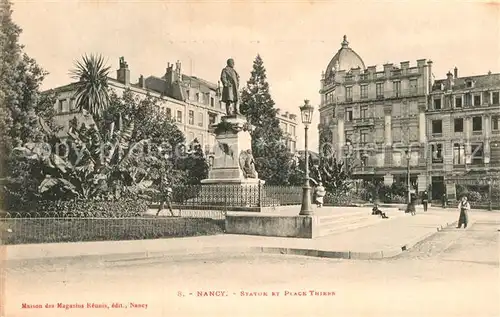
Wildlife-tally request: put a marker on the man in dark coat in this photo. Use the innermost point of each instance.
(166, 196)
(230, 82)
(425, 200)
(464, 208)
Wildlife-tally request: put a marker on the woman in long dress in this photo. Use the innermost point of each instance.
(463, 207)
(320, 194)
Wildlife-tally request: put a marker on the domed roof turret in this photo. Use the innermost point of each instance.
(345, 59)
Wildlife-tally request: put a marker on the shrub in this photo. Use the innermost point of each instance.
(474, 196)
(93, 208)
(337, 199)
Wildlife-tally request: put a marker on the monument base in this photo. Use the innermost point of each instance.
(273, 226)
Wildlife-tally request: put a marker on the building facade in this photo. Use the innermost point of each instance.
(376, 116)
(463, 132)
(193, 103)
(288, 124)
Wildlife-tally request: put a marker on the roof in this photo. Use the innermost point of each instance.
(345, 59)
(480, 81)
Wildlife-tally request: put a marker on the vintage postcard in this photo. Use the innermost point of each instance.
(249, 158)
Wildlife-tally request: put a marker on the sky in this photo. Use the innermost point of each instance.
(296, 39)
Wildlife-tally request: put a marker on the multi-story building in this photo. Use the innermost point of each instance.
(288, 124)
(380, 114)
(463, 132)
(192, 102)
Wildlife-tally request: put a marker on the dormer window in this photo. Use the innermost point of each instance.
(469, 83)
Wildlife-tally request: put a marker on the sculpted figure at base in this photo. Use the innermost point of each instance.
(247, 164)
(230, 82)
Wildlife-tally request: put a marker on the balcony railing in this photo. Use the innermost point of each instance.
(363, 121)
(414, 92)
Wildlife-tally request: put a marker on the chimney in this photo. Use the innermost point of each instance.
(123, 73)
(169, 74)
(142, 83)
(455, 72)
(405, 65)
(449, 81)
(178, 67)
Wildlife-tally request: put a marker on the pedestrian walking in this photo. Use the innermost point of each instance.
(425, 200)
(463, 208)
(165, 196)
(411, 204)
(320, 193)
(444, 200)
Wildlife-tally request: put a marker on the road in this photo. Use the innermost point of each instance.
(454, 273)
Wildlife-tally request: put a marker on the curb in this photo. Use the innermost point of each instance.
(157, 254)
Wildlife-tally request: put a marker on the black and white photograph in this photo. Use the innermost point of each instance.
(249, 158)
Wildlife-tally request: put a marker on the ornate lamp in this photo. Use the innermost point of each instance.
(306, 112)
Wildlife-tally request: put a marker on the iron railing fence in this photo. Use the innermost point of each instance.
(23, 228)
(231, 197)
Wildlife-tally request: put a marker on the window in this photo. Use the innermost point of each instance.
(364, 112)
(437, 126)
(495, 97)
(212, 102)
(61, 106)
(188, 94)
(458, 154)
(179, 116)
(437, 104)
(200, 119)
(477, 124)
(380, 90)
(364, 158)
(72, 104)
(458, 102)
(168, 113)
(348, 93)
(468, 99)
(477, 153)
(283, 127)
(469, 84)
(212, 119)
(197, 98)
(437, 153)
(494, 123)
(459, 125)
(413, 86)
(363, 136)
(397, 88)
(364, 91)
(292, 130)
(348, 115)
(191, 117)
(348, 137)
(477, 100)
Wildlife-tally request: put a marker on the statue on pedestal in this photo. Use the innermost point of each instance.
(230, 82)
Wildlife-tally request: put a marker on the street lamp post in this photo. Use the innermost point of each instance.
(306, 112)
(408, 181)
(489, 194)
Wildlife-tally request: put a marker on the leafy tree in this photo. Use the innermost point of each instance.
(272, 159)
(21, 102)
(335, 174)
(195, 164)
(180, 164)
(84, 167)
(92, 93)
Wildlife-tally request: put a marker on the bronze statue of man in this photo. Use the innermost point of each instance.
(230, 82)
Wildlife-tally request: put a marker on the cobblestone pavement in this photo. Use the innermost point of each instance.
(454, 273)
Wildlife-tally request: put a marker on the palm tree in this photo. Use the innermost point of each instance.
(92, 88)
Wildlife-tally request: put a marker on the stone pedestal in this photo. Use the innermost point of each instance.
(227, 182)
